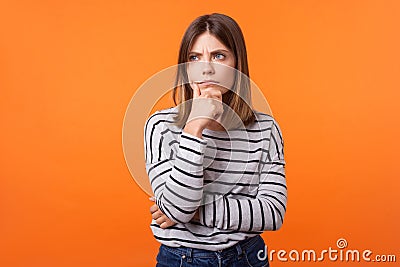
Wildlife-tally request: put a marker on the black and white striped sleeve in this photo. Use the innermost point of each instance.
(177, 182)
(264, 212)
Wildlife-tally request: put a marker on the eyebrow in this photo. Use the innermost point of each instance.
(212, 52)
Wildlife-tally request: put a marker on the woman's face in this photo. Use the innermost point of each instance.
(211, 64)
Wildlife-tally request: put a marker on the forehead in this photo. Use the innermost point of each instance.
(207, 41)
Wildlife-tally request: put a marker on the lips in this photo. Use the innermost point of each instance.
(208, 82)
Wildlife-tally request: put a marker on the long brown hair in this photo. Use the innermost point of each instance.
(227, 31)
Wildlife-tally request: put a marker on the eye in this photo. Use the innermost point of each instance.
(193, 58)
(219, 56)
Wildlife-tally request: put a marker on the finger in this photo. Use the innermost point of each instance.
(164, 225)
(218, 94)
(157, 215)
(167, 224)
(196, 90)
(152, 198)
(212, 93)
(161, 219)
(153, 208)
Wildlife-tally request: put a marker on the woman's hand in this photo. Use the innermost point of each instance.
(161, 218)
(206, 107)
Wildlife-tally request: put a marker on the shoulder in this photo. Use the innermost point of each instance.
(267, 121)
(162, 115)
(160, 118)
(264, 119)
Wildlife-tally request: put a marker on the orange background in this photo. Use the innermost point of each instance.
(68, 69)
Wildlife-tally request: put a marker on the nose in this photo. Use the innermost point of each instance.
(208, 68)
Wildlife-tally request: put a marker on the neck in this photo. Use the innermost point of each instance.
(215, 126)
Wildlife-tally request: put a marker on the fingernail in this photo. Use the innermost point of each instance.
(152, 198)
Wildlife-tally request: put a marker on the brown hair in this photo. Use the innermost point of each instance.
(227, 31)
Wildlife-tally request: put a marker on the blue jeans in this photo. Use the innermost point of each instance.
(245, 253)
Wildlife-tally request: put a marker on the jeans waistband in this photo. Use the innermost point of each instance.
(237, 249)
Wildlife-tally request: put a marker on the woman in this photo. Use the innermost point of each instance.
(215, 165)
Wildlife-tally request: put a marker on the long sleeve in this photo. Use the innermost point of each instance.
(263, 212)
(177, 181)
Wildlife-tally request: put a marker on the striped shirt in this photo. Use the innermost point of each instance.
(235, 179)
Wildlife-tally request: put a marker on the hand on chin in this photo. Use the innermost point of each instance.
(212, 87)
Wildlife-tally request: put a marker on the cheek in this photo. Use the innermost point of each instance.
(226, 76)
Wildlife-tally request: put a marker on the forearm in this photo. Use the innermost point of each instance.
(265, 212)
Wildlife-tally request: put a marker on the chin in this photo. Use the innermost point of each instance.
(222, 89)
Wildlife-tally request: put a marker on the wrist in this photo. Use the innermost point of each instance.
(193, 130)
